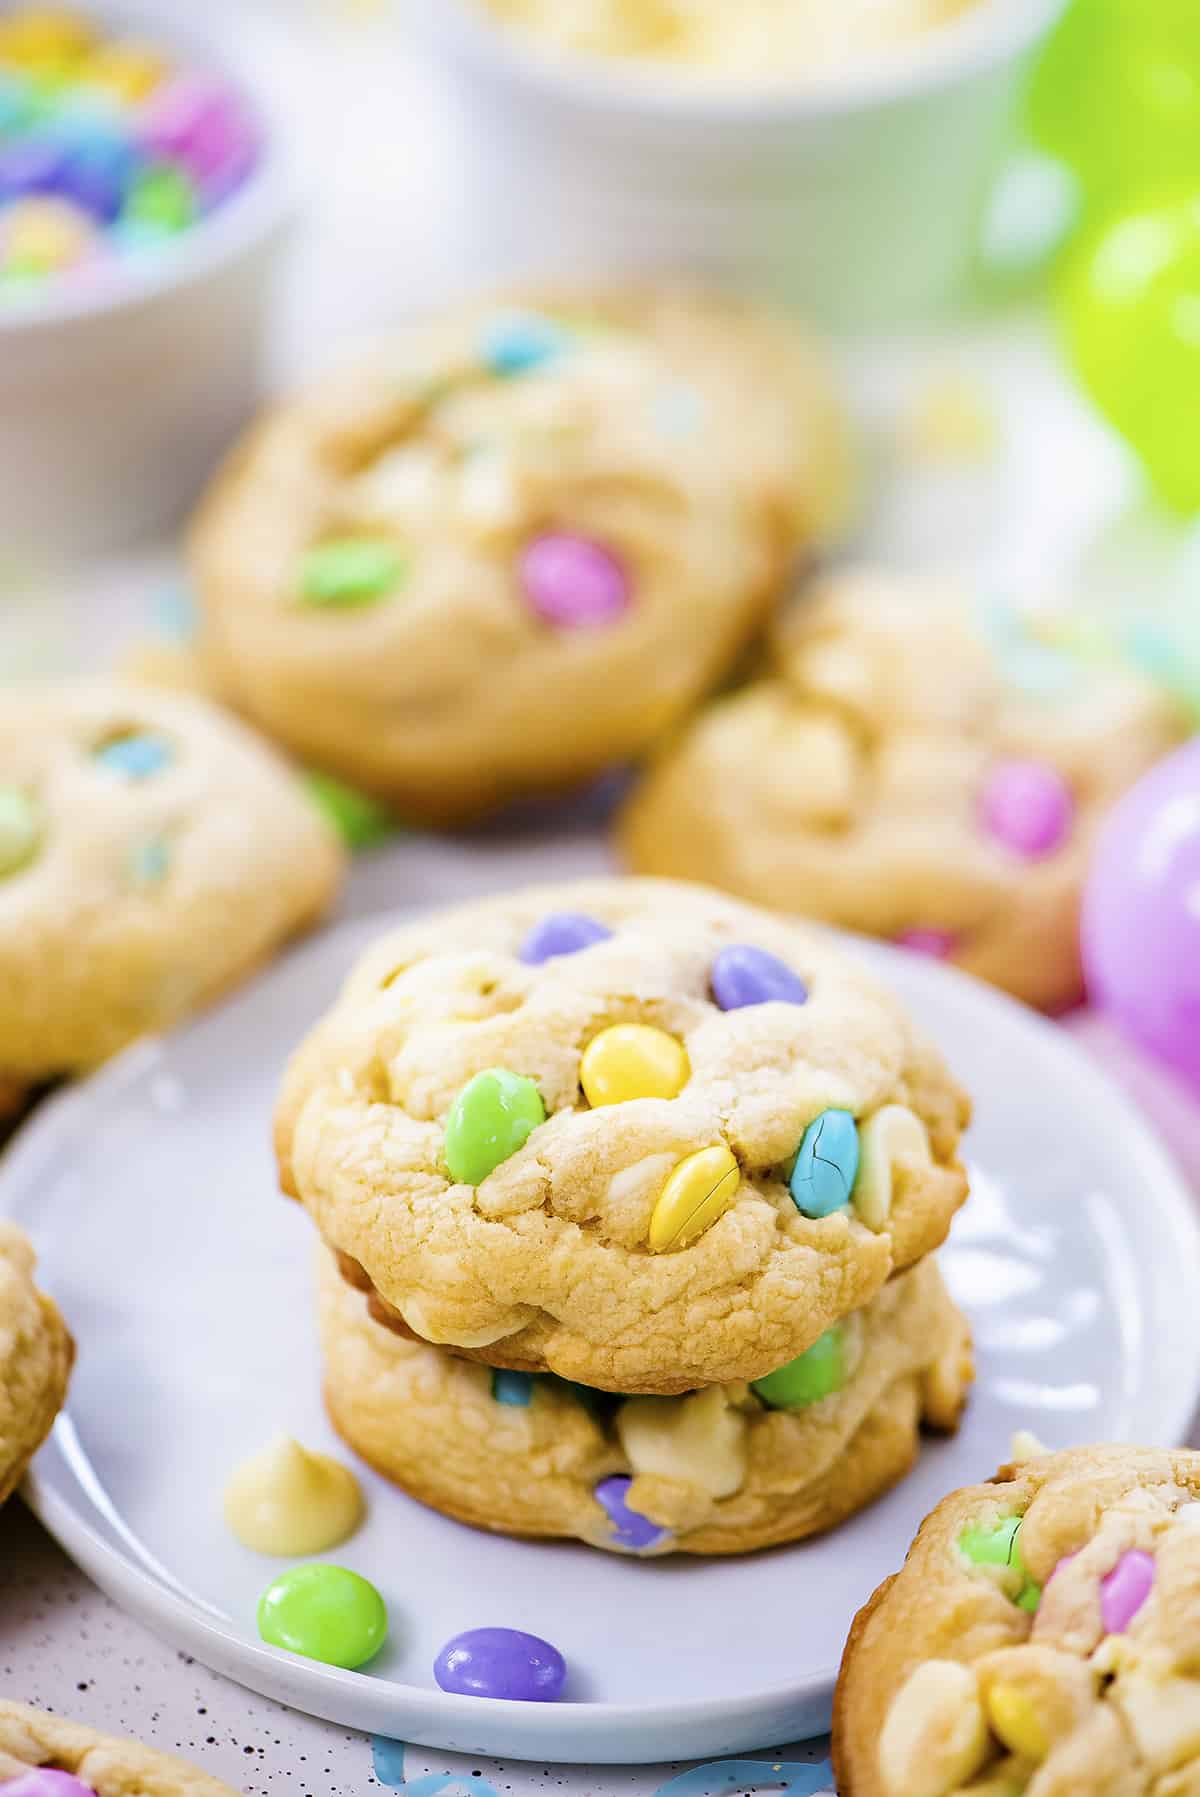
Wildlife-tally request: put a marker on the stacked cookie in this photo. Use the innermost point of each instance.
(626, 1192)
(516, 543)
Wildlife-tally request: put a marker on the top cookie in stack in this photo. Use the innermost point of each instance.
(629, 1132)
(514, 544)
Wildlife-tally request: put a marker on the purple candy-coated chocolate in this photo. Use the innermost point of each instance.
(501, 1663)
(939, 945)
(1141, 914)
(561, 933)
(572, 582)
(31, 165)
(631, 1529)
(44, 1781)
(1027, 807)
(744, 975)
(1125, 1589)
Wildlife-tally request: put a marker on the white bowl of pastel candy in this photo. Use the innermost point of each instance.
(143, 204)
(833, 153)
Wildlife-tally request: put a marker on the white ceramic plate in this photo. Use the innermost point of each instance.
(151, 1195)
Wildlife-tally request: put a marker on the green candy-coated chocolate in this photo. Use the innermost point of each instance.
(325, 1613)
(361, 821)
(813, 1375)
(350, 571)
(161, 199)
(999, 1544)
(490, 1119)
(20, 831)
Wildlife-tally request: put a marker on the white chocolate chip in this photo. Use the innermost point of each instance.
(892, 1133)
(1026, 1446)
(699, 1440)
(402, 483)
(935, 1736)
(1163, 1715)
(1188, 1515)
(487, 500)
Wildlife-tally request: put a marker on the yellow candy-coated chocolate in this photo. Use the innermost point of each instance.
(1014, 1720)
(42, 235)
(127, 69)
(633, 1060)
(44, 38)
(698, 1191)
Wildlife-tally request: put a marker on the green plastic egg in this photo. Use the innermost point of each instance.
(1129, 304)
(1116, 95)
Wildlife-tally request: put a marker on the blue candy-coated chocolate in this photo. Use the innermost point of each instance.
(96, 174)
(135, 757)
(744, 975)
(561, 933)
(512, 1388)
(507, 1663)
(827, 1165)
(631, 1530)
(520, 343)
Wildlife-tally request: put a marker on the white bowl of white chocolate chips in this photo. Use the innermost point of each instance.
(834, 153)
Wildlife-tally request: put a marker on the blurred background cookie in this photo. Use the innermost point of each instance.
(912, 768)
(35, 1359)
(512, 546)
(152, 853)
(46, 1756)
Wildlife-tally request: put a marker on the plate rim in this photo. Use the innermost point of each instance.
(570, 1731)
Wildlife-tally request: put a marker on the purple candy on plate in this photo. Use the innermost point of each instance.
(503, 1663)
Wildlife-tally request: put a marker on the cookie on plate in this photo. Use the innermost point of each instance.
(627, 1131)
(152, 852)
(78, 1762)
(508, 548)
(911, 768)
(35, 1360)
(718, 1471)
(1043, 1636)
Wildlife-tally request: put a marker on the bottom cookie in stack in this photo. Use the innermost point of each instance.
(724, 1470)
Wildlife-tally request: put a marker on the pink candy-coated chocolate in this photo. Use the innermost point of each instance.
(45, 1781)
(203, 124)
(1027, 806)
(1125, 1589)
(939, 945)
(572, 582)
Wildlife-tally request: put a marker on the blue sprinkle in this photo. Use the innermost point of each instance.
(449, 1784)
(512, 1388)
(135, 757)
(518, 344)
(388, 1757)
(826, 1166)
(722, 1778)
(150, 861)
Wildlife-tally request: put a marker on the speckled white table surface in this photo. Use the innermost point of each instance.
(1055, 505)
